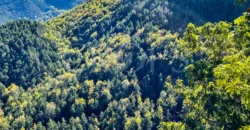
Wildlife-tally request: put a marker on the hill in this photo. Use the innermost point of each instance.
(26, 56)
(33, 9)
(109, 17)
(127, 64)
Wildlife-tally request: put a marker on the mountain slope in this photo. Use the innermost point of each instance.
(33, 9)
(110, 17)
(121, 64)
(26, 56)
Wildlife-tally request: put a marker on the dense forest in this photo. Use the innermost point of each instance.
(128, 65)
(34, 9)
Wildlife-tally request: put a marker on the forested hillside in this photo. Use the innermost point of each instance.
(127, 64)
(26, 56)
(33, 9)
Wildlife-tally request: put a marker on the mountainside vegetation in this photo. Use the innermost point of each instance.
(34, 9)
(127, 64)
(26, 56)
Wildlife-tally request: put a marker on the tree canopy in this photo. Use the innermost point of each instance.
(127, 64)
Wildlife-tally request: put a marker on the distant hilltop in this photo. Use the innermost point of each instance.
(34, 9)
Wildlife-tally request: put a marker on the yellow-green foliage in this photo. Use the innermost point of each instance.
(119, 40)
(80, 101)
(4, 123)
(93, 8)
(245, 128)
(161, 37)
(109, 62)
(233, 76)
(172, 126)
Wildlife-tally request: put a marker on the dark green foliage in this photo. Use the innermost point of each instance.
(33, 9)
(120, 65)
(26, 56)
